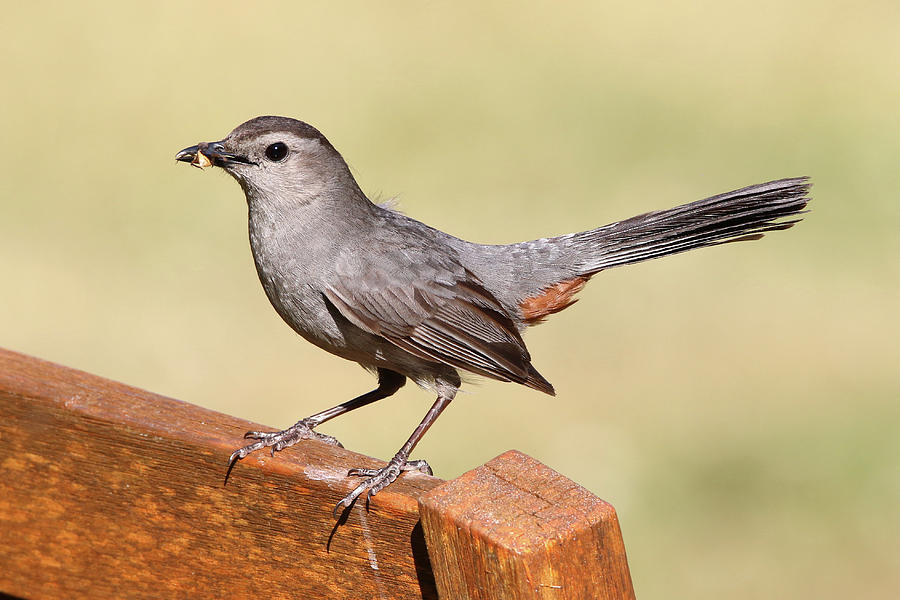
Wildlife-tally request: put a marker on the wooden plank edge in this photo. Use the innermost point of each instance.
(99, 477)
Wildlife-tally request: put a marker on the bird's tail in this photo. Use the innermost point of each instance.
(743, 214)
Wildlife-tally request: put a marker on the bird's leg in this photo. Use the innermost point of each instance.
(378, 479)
(388, 383)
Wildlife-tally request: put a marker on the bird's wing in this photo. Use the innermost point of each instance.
(429, 305)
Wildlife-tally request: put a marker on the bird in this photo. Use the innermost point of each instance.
(369, 284)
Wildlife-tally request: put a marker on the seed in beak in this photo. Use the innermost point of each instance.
(201, 160)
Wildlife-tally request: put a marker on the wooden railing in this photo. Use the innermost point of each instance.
(108, 491)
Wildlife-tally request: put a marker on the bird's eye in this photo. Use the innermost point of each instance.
(277, 151)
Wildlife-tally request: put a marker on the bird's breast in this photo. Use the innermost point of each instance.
(293, 268)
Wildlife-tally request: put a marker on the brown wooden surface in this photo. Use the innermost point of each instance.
(514, 528)
(107, 491)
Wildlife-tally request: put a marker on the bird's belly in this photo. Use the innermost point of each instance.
(306, 310)
(295, 286)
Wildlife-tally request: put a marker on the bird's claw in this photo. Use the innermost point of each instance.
(410, 465)
(279, 440)
(378, 479)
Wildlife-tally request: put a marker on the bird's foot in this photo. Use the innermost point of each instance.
(279, 440)
(378, 479)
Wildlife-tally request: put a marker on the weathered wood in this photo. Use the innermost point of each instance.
(514, 528)
(111, 491)
(108, 491)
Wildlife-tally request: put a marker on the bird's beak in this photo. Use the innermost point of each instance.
(211, 154)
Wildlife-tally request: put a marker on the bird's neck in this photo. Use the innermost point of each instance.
(312, 222)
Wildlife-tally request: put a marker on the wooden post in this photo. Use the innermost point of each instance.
(514, 528)
(111, 491)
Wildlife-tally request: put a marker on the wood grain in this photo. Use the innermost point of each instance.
(108, 491)
(514, 528)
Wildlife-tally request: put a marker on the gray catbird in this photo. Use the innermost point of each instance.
(403, 299)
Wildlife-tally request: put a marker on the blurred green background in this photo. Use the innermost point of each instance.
(738, 405)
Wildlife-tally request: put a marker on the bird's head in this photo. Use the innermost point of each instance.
(275, 158)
